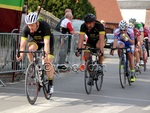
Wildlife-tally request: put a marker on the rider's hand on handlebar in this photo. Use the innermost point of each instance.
(19, 57)
(112, 52)
(78, 52)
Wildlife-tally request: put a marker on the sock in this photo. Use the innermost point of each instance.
(50, 81)
(132, 71)
(137, 64)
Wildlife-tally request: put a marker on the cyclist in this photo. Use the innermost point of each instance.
(140, 28)
(146, 35)
(95, 32)
(137, 45)
(40, 36)
(124, 37)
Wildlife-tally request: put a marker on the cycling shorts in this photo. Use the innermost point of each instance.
(41, 45)
(127, 45)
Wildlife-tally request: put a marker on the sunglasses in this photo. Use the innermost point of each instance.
(122, 30)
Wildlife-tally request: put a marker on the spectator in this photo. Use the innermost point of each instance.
(66, 25)
(58, 25)
(67, 28)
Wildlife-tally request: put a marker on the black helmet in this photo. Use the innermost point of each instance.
(90, 18)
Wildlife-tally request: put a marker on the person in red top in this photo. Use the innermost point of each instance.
(66, 25)
(146, 31)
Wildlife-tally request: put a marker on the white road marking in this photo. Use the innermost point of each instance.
(40, 105)
(146, 108)
(108, 108)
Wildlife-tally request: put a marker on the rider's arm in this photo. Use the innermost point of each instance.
(23, 39)
(101, 37)
(47, 36)
(47, 45)
(81, 36)
(23, 45)
(130, 35)
(81, 39)
(101, 42)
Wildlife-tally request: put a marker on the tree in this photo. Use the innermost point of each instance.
(57, 7)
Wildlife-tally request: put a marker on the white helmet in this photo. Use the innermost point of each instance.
(123, 25)
(31, 18)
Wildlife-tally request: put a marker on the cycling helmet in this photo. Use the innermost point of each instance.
(90, 18)
(123, 25)
(31, 18)
(132, 20)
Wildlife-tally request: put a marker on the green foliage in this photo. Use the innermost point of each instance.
(57, 7)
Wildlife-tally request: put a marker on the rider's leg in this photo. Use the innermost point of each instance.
(137, 56)
(131, 63)
(120, 44)
(141, 53)
(31, 46)
(50, 68)
(100, 57)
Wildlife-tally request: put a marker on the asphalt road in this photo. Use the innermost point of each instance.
(70, 95)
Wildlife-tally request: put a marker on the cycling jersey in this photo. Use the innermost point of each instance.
(139, 27)
(93, 34)
(136, 32)
(118, 35)
(146, 32)
(38, 36)
(66, 26)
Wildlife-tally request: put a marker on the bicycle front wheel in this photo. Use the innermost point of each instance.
(122, 73)
(46, 87)
(31, 84)
(99, 81)
(87, 78)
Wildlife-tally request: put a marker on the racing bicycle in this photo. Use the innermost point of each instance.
(36, 78)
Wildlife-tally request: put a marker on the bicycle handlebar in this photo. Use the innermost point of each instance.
(95, 49)
(39, 51)
(121, 48)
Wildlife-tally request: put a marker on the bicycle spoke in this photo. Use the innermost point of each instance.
(122, 73)
(46, 88)
(87, 78)
(31, 84)
(99, 81)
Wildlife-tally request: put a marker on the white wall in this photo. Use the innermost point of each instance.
(138, 14)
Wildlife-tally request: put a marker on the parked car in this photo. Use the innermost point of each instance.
(110, 40)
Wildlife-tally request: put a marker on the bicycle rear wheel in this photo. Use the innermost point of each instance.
(46, 86)
(87, 78)
(31, 84)
(99, 80)
(122, 73)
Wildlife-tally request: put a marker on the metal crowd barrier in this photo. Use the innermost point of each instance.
(64, 49)
(8, 45)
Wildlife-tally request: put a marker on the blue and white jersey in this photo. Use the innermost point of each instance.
(118, 35)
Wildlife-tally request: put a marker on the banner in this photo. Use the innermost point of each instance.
(10, 14)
